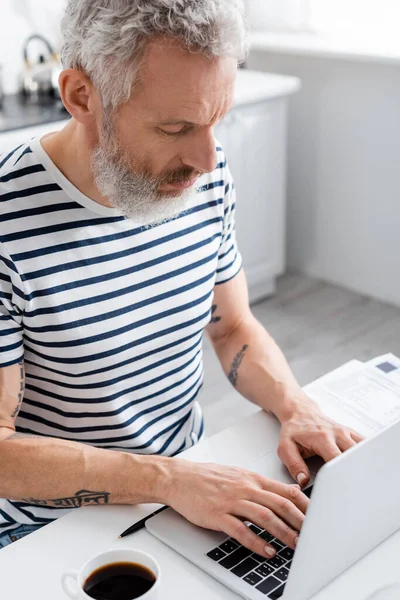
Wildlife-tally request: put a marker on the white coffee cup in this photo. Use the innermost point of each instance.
(73, 581)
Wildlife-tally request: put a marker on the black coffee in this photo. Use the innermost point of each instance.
(119, 581)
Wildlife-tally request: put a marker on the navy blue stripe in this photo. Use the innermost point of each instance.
(3, 162)
(11, 346)
(201, 428)
(21, 235)
(101, 240)
(174, 434)
(226, 253)
(109, 353)
(40, 189)
(9, 264)
(118, 411)
(181, 448)
(112, 314)
(149, 443)
(111, 257)
(113, 365)
(121, 292)
(5, 278)
(6, 296)
(26, 513)
(112, 382)
(115, 426)
(8, 332)
(11, 362)
(121, 393)
(22, 173)
(227, 188)
(9, 519)
(228, 266)
(211, 186)
(122, 273)
(29, 505)
(25, 152)
(41, 210)
(232, 276)
(124, 438)
(121, 330)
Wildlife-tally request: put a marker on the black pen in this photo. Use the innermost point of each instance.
(140, 524)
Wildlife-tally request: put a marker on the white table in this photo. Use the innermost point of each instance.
(32, 567)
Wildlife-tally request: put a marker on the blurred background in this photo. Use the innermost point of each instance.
(316, 130)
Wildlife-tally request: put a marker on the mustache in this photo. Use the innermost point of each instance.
(180, 176)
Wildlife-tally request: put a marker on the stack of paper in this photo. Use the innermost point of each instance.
(363, 396)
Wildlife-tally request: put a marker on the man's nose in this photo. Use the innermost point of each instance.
(201, 155)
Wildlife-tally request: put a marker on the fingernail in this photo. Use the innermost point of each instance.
(302, 478)
(270, 551)
(296, 541)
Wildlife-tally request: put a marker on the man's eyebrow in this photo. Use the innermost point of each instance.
(177, 122)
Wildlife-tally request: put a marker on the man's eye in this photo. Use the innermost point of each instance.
(173, 133)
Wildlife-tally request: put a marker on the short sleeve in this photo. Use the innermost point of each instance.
(230, 261)
(11, 310)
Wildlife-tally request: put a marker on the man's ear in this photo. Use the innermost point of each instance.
(79, 96)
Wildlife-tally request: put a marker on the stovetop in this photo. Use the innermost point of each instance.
(16, 112)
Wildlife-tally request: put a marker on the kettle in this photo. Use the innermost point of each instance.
(40, 79)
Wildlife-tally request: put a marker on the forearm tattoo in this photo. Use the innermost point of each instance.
(81, 498)
(214, 317)
(237, 361)
(21, 389)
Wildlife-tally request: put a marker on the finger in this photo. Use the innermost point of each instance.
(291, 492)
(281, 506)
(269, 520)
(239, 531)
(357, 437)
(290, 455)
(327, 448)
(345, 441)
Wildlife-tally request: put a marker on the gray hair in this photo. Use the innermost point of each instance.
(107, 39)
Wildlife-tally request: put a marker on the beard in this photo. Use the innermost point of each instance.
(135, 193)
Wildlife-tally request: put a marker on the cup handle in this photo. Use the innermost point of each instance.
(66, 583)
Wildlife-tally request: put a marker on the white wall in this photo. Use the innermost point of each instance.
(344, 173)
(18, 20)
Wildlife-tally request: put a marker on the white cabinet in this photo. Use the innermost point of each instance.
(254, 137)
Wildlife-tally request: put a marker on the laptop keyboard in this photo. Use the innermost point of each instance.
(267, 576)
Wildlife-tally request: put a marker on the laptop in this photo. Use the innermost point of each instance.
(354, 507)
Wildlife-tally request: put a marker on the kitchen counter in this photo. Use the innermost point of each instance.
(17, 113)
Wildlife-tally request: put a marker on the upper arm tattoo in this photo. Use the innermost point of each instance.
(21, 389)
(237, 361)
(214, 317)
(81, 498)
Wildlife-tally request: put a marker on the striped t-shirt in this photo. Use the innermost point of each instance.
(108, 315)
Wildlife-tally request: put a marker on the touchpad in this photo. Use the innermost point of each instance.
(269, 465)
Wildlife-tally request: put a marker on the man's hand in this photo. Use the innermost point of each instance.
(307, 432)
(222, 498)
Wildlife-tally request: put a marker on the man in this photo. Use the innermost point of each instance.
(118, 250)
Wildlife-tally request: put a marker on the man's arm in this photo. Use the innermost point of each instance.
(55, 472)
(64, 474)
(257, 368)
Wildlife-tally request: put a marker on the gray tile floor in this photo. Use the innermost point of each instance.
(318, 326)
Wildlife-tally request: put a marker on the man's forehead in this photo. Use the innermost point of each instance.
(176, 82)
